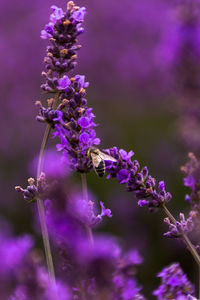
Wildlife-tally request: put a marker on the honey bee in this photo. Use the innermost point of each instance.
(97, 157)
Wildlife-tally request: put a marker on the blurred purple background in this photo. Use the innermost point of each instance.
(129, 57)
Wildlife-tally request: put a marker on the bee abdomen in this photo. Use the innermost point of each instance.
(100, 169)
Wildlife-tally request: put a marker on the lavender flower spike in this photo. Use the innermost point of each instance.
(72, 120)
(137, 180)
(175, 284)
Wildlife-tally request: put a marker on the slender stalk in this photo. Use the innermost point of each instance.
(41, 211)
(187, 241)
(199, 282)
(40, 203)
(85, 196)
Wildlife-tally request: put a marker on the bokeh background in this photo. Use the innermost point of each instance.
(141, 58)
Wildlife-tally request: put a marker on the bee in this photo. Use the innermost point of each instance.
(97, 157)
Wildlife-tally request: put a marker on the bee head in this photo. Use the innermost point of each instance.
(92, 150)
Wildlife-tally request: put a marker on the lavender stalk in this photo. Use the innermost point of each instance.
(41, 211)
(187, 241)
(62, 31)
(85, 197)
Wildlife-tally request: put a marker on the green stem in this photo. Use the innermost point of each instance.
(41, 211)
(85, 197)
(40, 203)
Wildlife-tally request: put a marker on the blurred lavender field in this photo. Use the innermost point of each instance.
(142, 61)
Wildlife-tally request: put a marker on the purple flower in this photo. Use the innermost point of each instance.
(132, 258)
(123, 176)
(192, 180)
(80, 79)
(182, 226)
(161, 186)
(137, 180)
(84, 122)
(44, 34)
(79, 14)
(13, 251)
(32, 192)
(130, 290)
(189, 181)
(105, 211)
(67, 113)
(126, 156)
(63, 83)
(84, 138)
(174, 283)
(57, 14)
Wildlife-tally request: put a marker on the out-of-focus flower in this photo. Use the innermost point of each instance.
(13, 250)
(175, 284)
(54, 165)
(180, 51)
(192, 180)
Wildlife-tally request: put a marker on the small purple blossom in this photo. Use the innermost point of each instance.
(130, 290)
(105, 211)
(80, 79)
(161, 186)
(32, 192)
(79, 14)
(174, 284)
(84, 122)
(57, 14)
(126, 156)
(183, 226)
(123, 176)
(63, 83)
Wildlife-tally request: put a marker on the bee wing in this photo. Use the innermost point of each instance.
(96, 159)
(106, 157)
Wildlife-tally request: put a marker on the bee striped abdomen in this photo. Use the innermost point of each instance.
(100, 170)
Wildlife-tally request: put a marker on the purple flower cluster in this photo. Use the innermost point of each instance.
(96, 269)
(67, 113)
(175, 284)
(190, 224)
(22, 275)
(137, 180)
(183, 226)
(192, 180)
(13, 251)
(84, 269)
(76, 208)
(62, 31)
(32, 192)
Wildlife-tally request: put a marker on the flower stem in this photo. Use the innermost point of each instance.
(187, 241)
(199, 282)
(41, 211)
(40, 203)
(85, 197)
